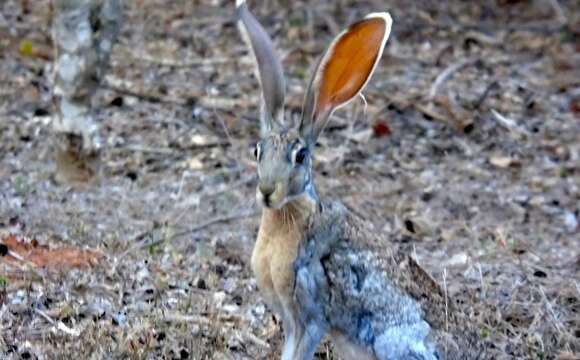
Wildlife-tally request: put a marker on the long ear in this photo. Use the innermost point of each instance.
(268, 67)
(343, 71)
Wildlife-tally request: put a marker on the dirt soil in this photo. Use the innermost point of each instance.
(467, 154)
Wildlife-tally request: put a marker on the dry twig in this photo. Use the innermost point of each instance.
(59, 325)
(509, 124)
(447, 73)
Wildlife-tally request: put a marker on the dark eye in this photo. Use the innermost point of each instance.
(257, 151)
(301, 156)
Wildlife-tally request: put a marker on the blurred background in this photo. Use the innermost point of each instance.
(467, 154)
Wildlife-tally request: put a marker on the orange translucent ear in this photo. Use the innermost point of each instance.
(350, 64)
(346, 68)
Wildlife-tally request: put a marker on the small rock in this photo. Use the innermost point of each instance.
(457, 260)
(119, 318)
(219, 298)
(99, 307)
(447, 235)
(361, 136)
(195, 330)
(18, 298)
(571, 221)
(142, 274)
(230, 285)
(204, 250)
(419, 226)
(537, 200)
(198, 139)
(200, 284)
(500, 161)
(3, 250)
(230, 308)
(259, 310)
(196, 163)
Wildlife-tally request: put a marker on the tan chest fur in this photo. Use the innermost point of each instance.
(281, 232)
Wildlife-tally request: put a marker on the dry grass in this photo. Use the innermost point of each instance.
(480, 178)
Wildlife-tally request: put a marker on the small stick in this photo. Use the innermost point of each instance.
(221, 103)
(254, 339)
(214, 191)
(483, 287)
(30, 265)
(508, 123)
(446, 304)
(198, 319)
(185, 63)
(432, 113)
(486, 93)
(222, 123)
(447, 73)
(558, 10)
(145, 149)
(216, 220)
(195, 319)
(58, 324)
(551, 311)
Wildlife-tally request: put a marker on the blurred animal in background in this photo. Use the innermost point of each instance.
(84, 33)
(322, 269)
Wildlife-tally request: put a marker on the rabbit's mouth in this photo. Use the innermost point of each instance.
(274, 200)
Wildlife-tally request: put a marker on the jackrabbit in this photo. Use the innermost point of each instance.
(322, 269)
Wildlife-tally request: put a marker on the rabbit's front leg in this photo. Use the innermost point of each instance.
(289, 336)
(301, 342)
(306, 344)
(305, 314)
(303, 332)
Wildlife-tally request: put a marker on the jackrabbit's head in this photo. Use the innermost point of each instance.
(284, 152)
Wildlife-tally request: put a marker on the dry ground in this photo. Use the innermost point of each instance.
(488, 202)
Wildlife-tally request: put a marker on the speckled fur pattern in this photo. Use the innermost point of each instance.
(340, 277)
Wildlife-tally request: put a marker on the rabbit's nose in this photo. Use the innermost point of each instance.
(266, 190)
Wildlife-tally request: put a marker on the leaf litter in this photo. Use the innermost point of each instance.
(477, 174)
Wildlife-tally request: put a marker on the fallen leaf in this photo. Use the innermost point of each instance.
(361, 136)
(460, 259)
(195, 163)
(381, 128)
(330, 154)
(26, 47)
(198, 139)
(575, 106)
(500, 161)
(43, 256)
(29, 49)
(568, 356)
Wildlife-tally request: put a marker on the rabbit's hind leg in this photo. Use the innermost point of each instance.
(348, 349)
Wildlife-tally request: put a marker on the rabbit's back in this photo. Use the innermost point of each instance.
(354, 283)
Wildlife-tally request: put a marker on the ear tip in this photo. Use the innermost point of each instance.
(386, 16)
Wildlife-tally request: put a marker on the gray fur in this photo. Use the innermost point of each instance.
(276, 167)
(343, 287)
(357, 287)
